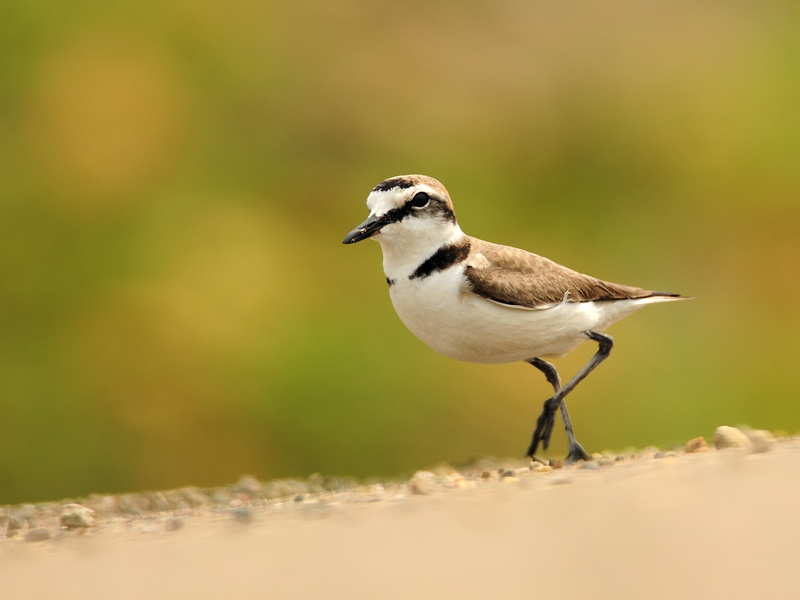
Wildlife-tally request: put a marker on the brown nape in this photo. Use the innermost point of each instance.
(517, 277)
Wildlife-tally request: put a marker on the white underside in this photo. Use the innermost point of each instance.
(461, 325)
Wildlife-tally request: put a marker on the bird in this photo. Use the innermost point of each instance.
(481, 302)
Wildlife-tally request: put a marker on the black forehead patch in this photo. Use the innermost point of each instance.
(399, 183)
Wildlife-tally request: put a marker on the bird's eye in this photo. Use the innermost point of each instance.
(420, 199)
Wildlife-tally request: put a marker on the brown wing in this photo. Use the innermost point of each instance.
(516, 277)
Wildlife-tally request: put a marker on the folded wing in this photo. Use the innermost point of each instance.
(522, 279)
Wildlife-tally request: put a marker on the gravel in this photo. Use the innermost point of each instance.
(249, 500)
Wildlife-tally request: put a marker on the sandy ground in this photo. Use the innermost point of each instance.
(717, 524)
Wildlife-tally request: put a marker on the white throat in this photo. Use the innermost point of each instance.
(406, 245)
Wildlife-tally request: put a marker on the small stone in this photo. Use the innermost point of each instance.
(76, 516)
(596, 456)
(15, 523)
(37, 535)
(697, 444)
(543, 469)
(423, 483)
(221, 496)
(730, 437)
(761, 440)
(559, 464)
(590, 465)
(606, 461)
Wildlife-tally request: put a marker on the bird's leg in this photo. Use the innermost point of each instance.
(546, 420)
(576, 451)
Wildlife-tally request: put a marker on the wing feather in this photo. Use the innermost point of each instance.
(522, 279)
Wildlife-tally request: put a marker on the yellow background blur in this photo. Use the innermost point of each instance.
(176, 179)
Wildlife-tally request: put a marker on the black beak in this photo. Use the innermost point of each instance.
(365, 230)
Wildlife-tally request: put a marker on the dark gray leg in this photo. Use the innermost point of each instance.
(544, 425)
(576, 451)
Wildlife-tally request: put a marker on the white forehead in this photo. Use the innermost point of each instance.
(380, 202)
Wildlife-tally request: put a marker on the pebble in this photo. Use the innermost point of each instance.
(543, 469)
(730, 437)
(761, 440)
(697, 444)
(37, 535)
(15, 523)
(592, 465)
(221, 496)
(423, 483)
(76, 516)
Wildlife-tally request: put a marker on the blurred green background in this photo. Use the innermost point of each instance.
(177, 177)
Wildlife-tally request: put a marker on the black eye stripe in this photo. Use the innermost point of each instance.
(437, 208)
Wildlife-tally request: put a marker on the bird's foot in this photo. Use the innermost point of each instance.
(576, 453)
(544, 426)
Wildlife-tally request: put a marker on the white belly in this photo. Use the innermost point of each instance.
(469, 328)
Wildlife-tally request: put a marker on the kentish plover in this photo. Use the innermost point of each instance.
(482, 302)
